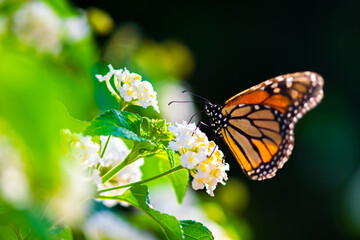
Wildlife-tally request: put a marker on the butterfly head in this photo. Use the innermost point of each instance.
(218, 120)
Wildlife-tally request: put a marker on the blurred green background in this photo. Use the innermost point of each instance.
(216, 49)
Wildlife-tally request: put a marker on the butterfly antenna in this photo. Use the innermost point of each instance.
(182, 102)
(195, 95)
(198, 125)
(195, 115)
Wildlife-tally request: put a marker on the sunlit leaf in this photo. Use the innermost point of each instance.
(179, 179)
(138, 197)
(62, 233)
(195, 231)
(116, 123)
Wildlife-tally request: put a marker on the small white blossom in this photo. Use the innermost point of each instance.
(85, 150)
(106, 225)
(76, 28)
(187, 137)
(36, 24)
(131, 173)
(131, 88)
(146, 94)
(190, 159)
(200, 156)
(69, 202)
(128, 91)
(107, 76)
(14, 183)
(115, 153)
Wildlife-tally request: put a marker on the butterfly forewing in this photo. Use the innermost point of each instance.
(258, 123)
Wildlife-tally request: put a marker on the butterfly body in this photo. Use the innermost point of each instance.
(258, 123)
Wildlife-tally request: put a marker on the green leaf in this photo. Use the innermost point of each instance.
(171, 156)
(157, 130)
(68, 122)
(62, 233)
(117, 123)
(138, 197)
(195, 231)
(179, 179)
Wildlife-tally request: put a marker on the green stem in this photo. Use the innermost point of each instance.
(112, 90)
(130, 158)
(142, 181)
(123, 105)
(17, 233)
(106, 144)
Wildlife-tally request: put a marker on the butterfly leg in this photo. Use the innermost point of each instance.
(213, 151)
(198, 125)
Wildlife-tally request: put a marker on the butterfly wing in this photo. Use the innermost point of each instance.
(260, 121)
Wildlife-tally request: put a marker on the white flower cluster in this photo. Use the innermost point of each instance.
(14, 183)
(107, 225)
(130, 87)
(84, 150)
(200, 156)
(36, 24)
(116, 152)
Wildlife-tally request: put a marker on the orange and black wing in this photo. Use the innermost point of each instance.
(260, 121)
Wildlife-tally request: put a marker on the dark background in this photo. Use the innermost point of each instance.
(237, 45)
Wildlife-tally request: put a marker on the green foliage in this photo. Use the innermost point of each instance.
(195, 231)
(71, 123)
(173, 229)
(138, 197)
(61, 233)
(156, 130)
(179, 179)
(116, 123)
(150, 137)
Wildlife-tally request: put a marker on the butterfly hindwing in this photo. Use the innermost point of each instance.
(261, 139)
(257, 124)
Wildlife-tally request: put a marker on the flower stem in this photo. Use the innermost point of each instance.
(123, 105)
(142, 181)
(106, 144)
(130, 158)
(16, 231)
(112, 90)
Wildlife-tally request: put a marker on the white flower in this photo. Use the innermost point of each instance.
(116, 151)
(131, 88)
(190, 159)
(188, 137)
(69, 202)
(129, 91)
(14, 183)
(106, 225)
(36, 24)
(147, 96)
(200, 156)
(107, 76)
(76, 28)
(85, 150)
(131, 173)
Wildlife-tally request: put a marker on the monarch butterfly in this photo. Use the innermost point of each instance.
(258, 123)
